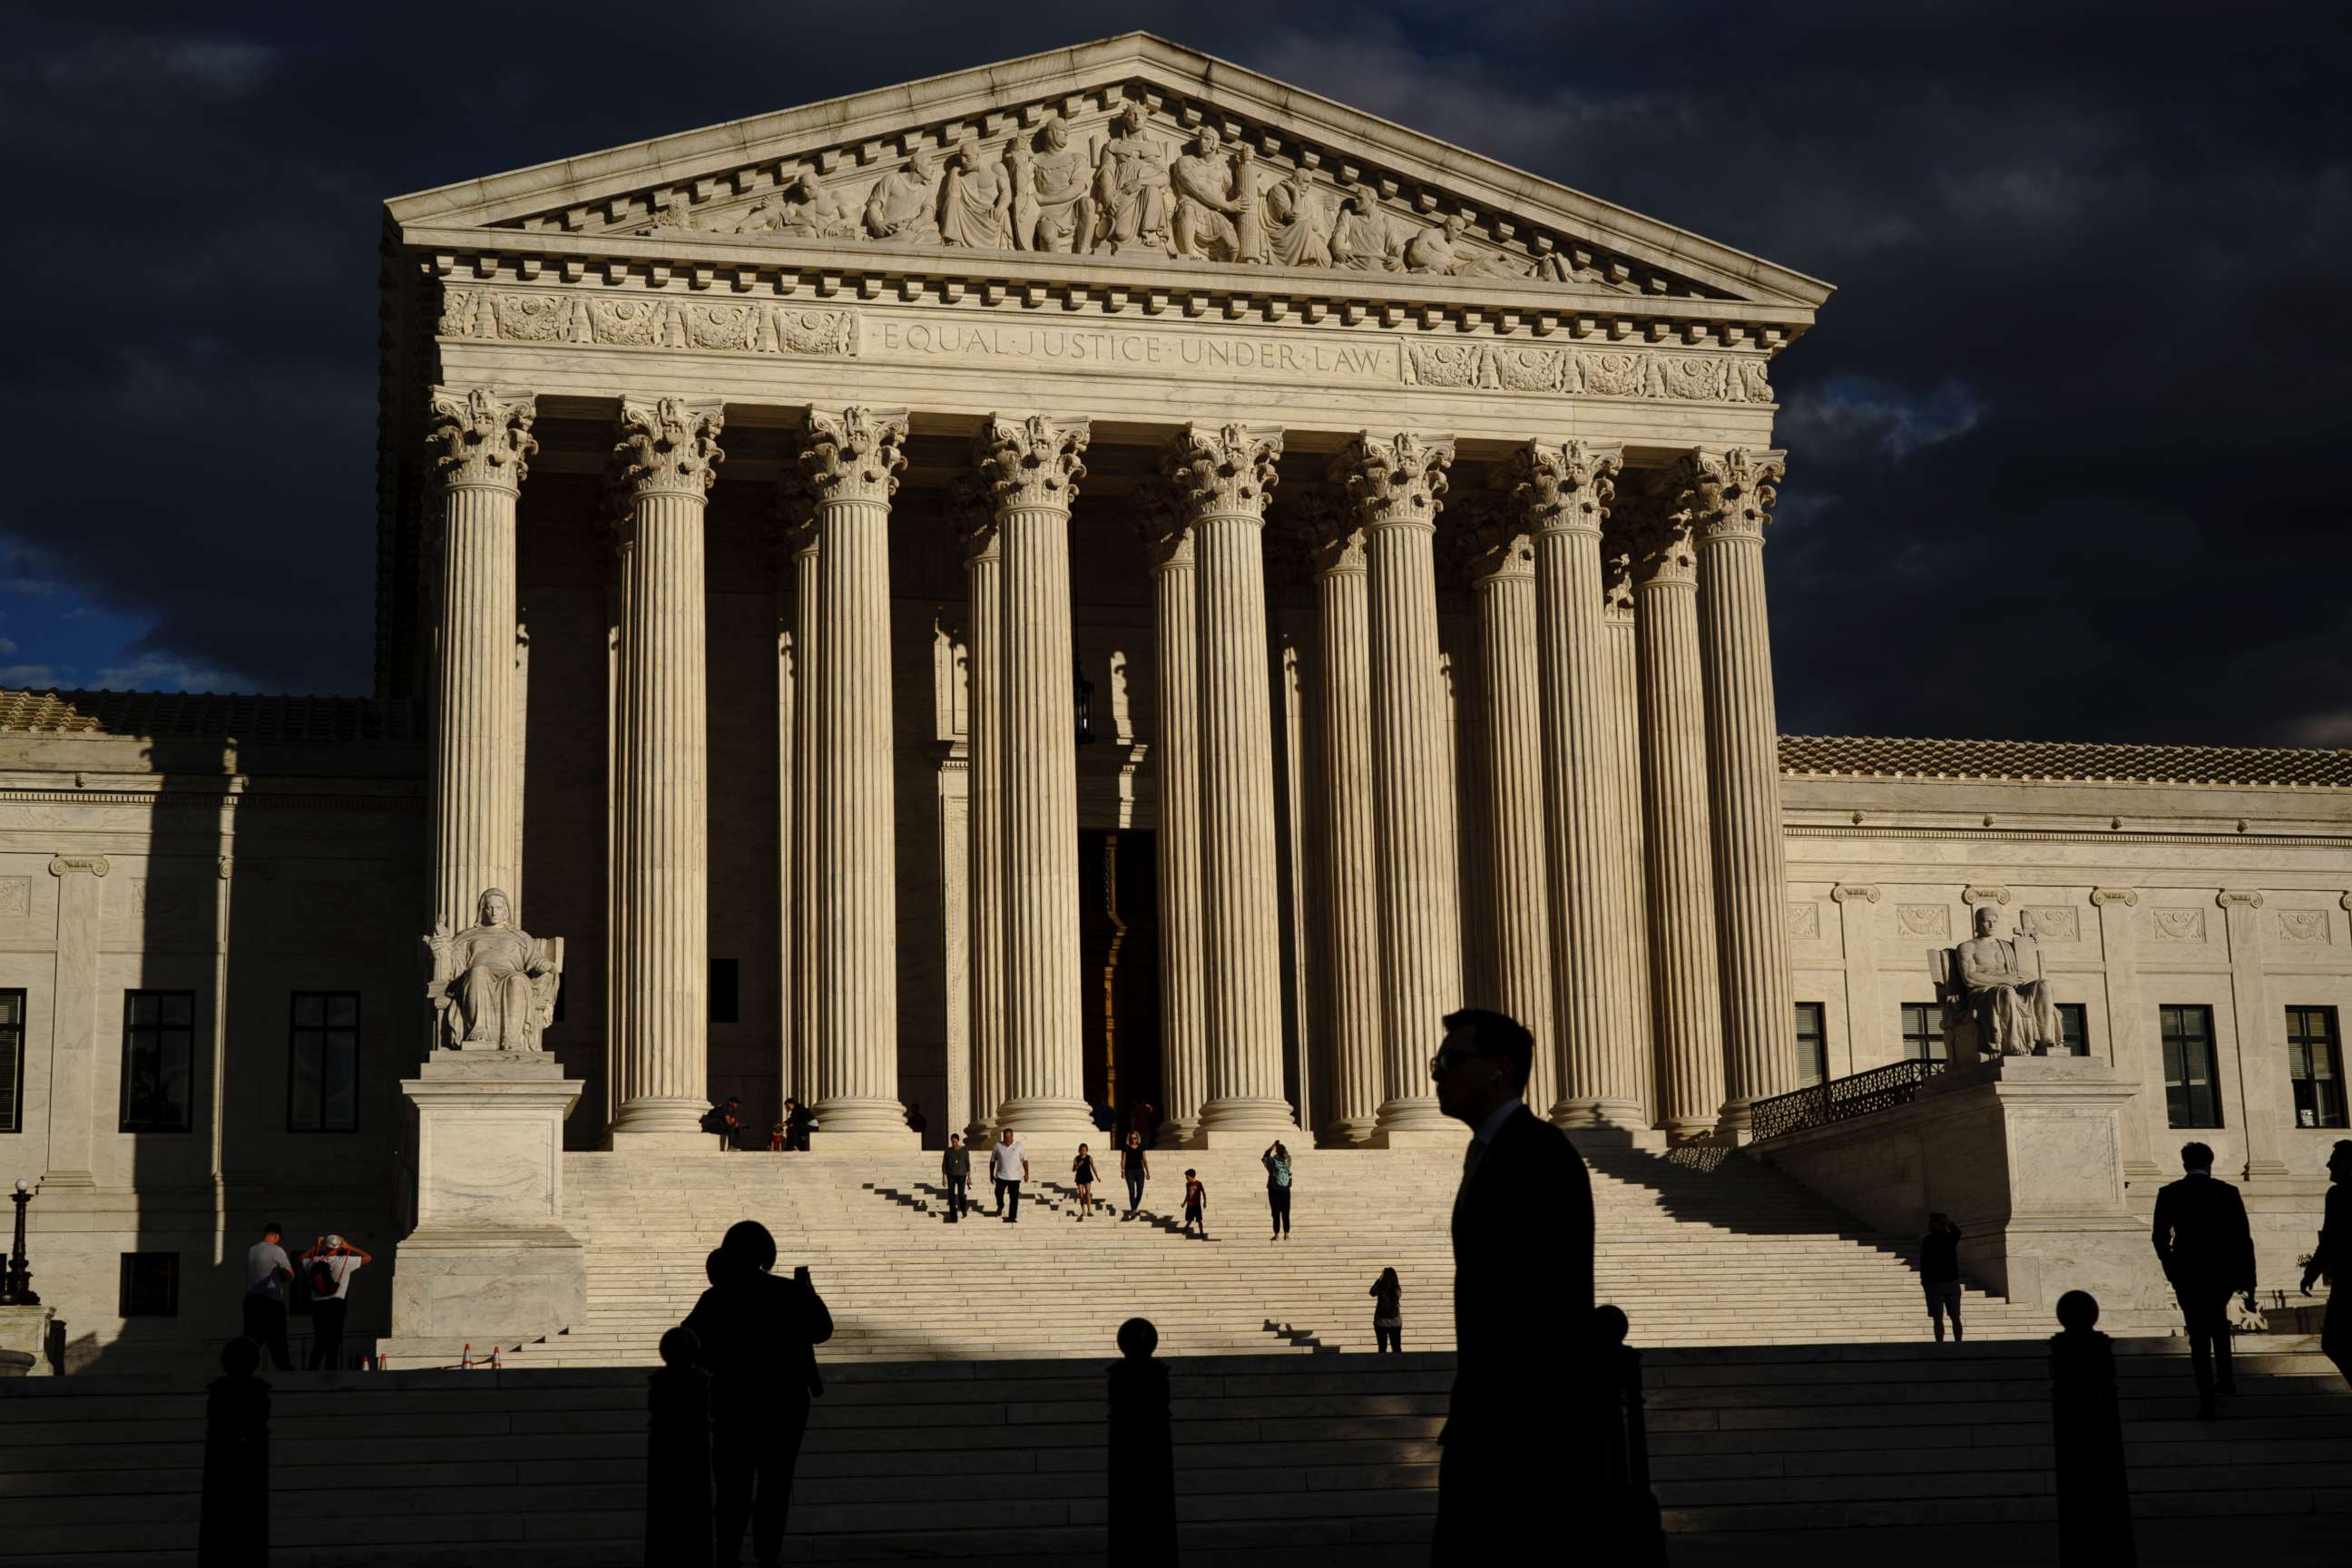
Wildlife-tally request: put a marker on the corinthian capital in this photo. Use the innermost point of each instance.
(1222, 470)
(972, 518)
(1729, 494)
(1032, 462)
(1163, 520)
(1489, 537)
(480, 437)
(1395, 481)
(1657, 534)
(1564, 488)
(1333, 526)
(667, 447)
(854, 455)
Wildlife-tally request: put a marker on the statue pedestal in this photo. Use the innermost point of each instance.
(489, 1262)
(24, 1331)
(2025, 1154)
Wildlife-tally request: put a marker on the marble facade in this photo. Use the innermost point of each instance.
(756, 501)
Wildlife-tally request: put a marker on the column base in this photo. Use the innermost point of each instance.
(666, 1119)
(1033, 1118)
(861, 1117)
(1648, 1140)
(1687, 1130)
(1576, 1113)
(1347, 1132)
(1411, 1123)
(1238, 1115)
(1175, 1134)
(1734, 1123)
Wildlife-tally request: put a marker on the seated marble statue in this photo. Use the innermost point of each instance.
(2001, 978)
(493, 985)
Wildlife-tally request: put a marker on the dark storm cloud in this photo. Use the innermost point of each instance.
(2063, 449)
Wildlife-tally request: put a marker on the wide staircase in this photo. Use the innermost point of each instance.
(1280, 1459)
(1695, 1251)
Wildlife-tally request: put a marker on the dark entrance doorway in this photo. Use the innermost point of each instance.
(1119, 979)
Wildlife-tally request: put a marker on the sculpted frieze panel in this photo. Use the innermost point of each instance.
(1601, 372)
(640, 321)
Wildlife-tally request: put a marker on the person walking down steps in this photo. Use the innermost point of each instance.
(1939, 1273)
(1388, 1312)
(1082, 1176)
(1196, 1204)
(955, 1170)
(1277, 1189)
(1135, 1165)
(1008, 1163)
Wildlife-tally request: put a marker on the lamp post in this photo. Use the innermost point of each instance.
(16, 1285)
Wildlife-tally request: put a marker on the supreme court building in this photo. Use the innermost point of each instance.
(1099, 579)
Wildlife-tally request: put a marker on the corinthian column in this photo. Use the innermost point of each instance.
(801, 555)
(1730, 497)
(851, 462)
(1687, 1005)
(1396, 484)
(1032, 467)
(1565, 492)
(1221, 477)
(1351, 922)
(665, 460)
(973, 513)
(1166, 523)
(1622, 737)
(480, 438)
(1500, 557)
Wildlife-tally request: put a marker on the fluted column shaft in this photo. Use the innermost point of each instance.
(1033, 468)
(1169, 541)
(1685, 997)
(1732, 496)
(1397, 484)
(1566, 492)
(1221, 477)
(807, 781)
(1621, 666)
(984, 823)
(1501, 553)
(1351, 922)
(666, 456)
(851, 461)
(480, 438)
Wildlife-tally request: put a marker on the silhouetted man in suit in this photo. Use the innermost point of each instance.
(1522, 1430)
(2333, 1258)
(759, 1337)
(2208, 1252)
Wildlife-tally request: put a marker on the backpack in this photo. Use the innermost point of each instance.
(322, 1277)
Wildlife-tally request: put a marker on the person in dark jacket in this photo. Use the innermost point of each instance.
(1524, 1424)
(955, 1170)
(1939, 1273)
(2333, 1258)
(759, 1336)
(2208, 1252)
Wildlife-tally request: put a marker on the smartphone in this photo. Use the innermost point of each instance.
(799, 1273)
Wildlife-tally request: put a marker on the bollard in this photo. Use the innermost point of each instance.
(2086, 1433)
(232, 1521)
(1143, 1458)
(678, 1455)
(1637, 1528)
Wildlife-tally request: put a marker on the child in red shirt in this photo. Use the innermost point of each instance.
(1196, 1205)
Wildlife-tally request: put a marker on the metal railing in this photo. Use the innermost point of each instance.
(1841, 1098)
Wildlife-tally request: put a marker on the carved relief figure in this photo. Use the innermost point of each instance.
(802, 210)
(1249, 220)
(1049, 189)
(2007, 994)
(903, 204)
(976, 208)
(1360, 239)
(1440, 250)
(1202, 182)
(1130, 189)
(1298, 220)
(493, 985)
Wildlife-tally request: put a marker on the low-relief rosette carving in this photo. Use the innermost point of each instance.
(854, 455)
(668, 446)
(1222, 470)
(1032, 462)
(481, 436)
(1394, 481)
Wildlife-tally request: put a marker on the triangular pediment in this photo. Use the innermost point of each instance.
(1130, 148)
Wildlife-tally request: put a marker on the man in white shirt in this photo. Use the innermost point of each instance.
(329, 1266)
(1008, 1163)
(267, 1272)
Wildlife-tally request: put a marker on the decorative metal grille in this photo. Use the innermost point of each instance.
(1841, 1098)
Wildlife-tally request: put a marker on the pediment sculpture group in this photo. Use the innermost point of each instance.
(1127, 194)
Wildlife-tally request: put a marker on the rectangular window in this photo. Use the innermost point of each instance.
(322, 1066)
(1923, 1032)
(2074, 1027)
(725, 1004)
(12, 1061)
(1812, 1045)
(159, 1044)
(2315, 1062)
(2190, 1098)
(150, 1285)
